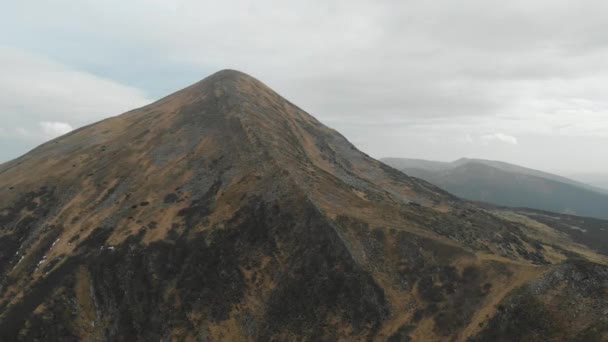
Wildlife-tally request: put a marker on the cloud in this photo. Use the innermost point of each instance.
(355, 60)
(55, 129)
(23, 132)
(40, 89)
(41, 99)
(350, 60)
(498, 137)
(400, 78)
(43, 131)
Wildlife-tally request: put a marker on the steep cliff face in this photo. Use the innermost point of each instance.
(224, 212)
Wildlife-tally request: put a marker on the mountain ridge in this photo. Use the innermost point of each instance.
(509, 185)
(402, 163)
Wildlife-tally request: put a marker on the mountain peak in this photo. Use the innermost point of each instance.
(232, 85)
(228, 75)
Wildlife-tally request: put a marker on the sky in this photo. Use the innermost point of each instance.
(519, 81)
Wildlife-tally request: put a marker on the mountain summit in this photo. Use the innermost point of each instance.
(224, 212)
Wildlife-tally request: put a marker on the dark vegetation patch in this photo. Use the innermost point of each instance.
(479, 230)
(203, 273)
(16, 227)
(523, 318)
(596, 332)
(35, 254)
(372, 240)
(9, 245)
(54, 323)
(18, 322)
(402, 334)
(583, 278)
(451, 297)
(419, 314)
(463, 294)
(170, 198)
(10, 215)
(96, 239)
(423, 260)
(322, 281)
(201, 207)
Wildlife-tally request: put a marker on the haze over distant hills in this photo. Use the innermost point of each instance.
(510, 185)
(223, 212)
(599, 180)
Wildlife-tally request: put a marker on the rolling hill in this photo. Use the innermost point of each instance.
(509, 185)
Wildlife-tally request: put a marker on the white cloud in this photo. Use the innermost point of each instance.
(55, 129)
(44, 130)
(498, 137)
(33, 87)
(23, 132)
(41, 99)
(400, 78)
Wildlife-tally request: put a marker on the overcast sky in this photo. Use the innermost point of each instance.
(519, 81)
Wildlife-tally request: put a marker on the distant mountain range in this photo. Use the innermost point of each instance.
(509, 185)
(599, 180)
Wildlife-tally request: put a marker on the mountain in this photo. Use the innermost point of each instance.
(509, 185)
(598, 180)
(531, 172)
(224, 212)
(411, 163)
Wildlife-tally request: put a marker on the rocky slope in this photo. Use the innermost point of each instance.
(224, 212)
